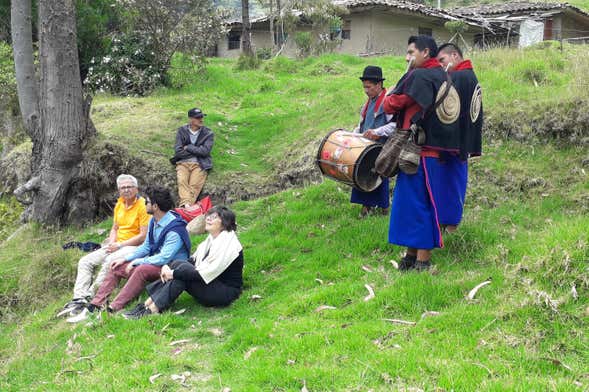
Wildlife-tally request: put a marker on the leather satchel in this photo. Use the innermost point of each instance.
(402, 150)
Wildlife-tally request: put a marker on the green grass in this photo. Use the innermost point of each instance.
(525, 227)
(264, 118)
(305, 248)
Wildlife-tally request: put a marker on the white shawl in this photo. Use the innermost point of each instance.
(222, 251)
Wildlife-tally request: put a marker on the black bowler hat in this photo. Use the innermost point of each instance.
(196, 113)
(372, 72)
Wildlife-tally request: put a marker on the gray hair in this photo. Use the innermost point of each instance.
(126, 177)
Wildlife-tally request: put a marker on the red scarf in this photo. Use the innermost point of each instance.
(379, 102)
(431, 63)
(466, 64)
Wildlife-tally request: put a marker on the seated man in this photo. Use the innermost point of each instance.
(167, 240)
(128, 230)
(215, 279)
(192, 157)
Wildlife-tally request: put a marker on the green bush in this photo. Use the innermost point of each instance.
(245, 62)
(281, 64)
(7, 77)
(304, 42)
(264, 53)
(129, 68)
(10, 211)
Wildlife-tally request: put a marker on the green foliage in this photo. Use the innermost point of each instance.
(245, 62)
(525, 226)
(456, 26)
(130, 67)
(96, 21)
(10, 211)
(264, 53)
(7, 77)
(304, 42)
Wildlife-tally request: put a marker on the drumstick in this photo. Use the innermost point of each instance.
(409, 64)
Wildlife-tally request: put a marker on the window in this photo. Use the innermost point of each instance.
(234, 40)
(424, 31)
(347, 29)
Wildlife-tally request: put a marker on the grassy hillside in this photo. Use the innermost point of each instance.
(525, 228)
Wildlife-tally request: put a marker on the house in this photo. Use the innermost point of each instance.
(553, 21)
(370, 27)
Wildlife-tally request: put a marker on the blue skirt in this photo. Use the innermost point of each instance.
(414, 218)
(448, 178)
(377, 198)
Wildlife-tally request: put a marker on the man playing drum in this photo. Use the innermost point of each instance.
(376, 125)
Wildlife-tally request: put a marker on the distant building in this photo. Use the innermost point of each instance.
(371, 27)
(555, 21)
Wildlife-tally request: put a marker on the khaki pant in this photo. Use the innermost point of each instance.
(100, 260)
(191, 179)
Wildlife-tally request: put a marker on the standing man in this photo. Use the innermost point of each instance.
(414, 213)
(471, 124)
(192, 157)
(167, 240)
(128, 230)
(374, 124)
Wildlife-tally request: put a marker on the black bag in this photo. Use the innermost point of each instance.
(174, 160)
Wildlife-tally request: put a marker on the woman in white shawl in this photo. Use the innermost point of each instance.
(215, 278)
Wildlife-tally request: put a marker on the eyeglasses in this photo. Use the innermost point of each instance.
(127, 188)
(212, 217)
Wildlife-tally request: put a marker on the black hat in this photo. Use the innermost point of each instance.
(196, 113)
(372, 72)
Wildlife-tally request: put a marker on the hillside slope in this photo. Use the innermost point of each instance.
(525, 228)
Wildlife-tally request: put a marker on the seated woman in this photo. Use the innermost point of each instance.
(215, 279)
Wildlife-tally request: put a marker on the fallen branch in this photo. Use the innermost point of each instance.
(370, 293)
(473, 292)
(397, 321)
(324, 307)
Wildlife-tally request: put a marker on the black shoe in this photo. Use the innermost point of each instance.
(422, 265)
(407, 263)
(138, 308)
(137, 315)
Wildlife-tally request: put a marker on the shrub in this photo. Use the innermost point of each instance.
(7, 77)
(128, 69)
(304, 41)
(245, 62)
(264, 53)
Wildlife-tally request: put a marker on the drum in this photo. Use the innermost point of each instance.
(349, 158)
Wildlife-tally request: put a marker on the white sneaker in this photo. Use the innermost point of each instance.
(72, 308)
(83, 315)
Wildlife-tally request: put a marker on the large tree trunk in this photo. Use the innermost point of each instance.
(64, 128)
(246, 43)
(26, 81)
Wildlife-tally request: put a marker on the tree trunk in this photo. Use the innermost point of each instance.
(26, 81)
(64, 126)
(272, 32)
(246, 44)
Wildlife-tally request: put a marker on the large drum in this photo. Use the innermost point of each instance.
(349, 158)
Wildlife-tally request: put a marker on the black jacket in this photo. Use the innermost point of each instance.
(201, 149)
